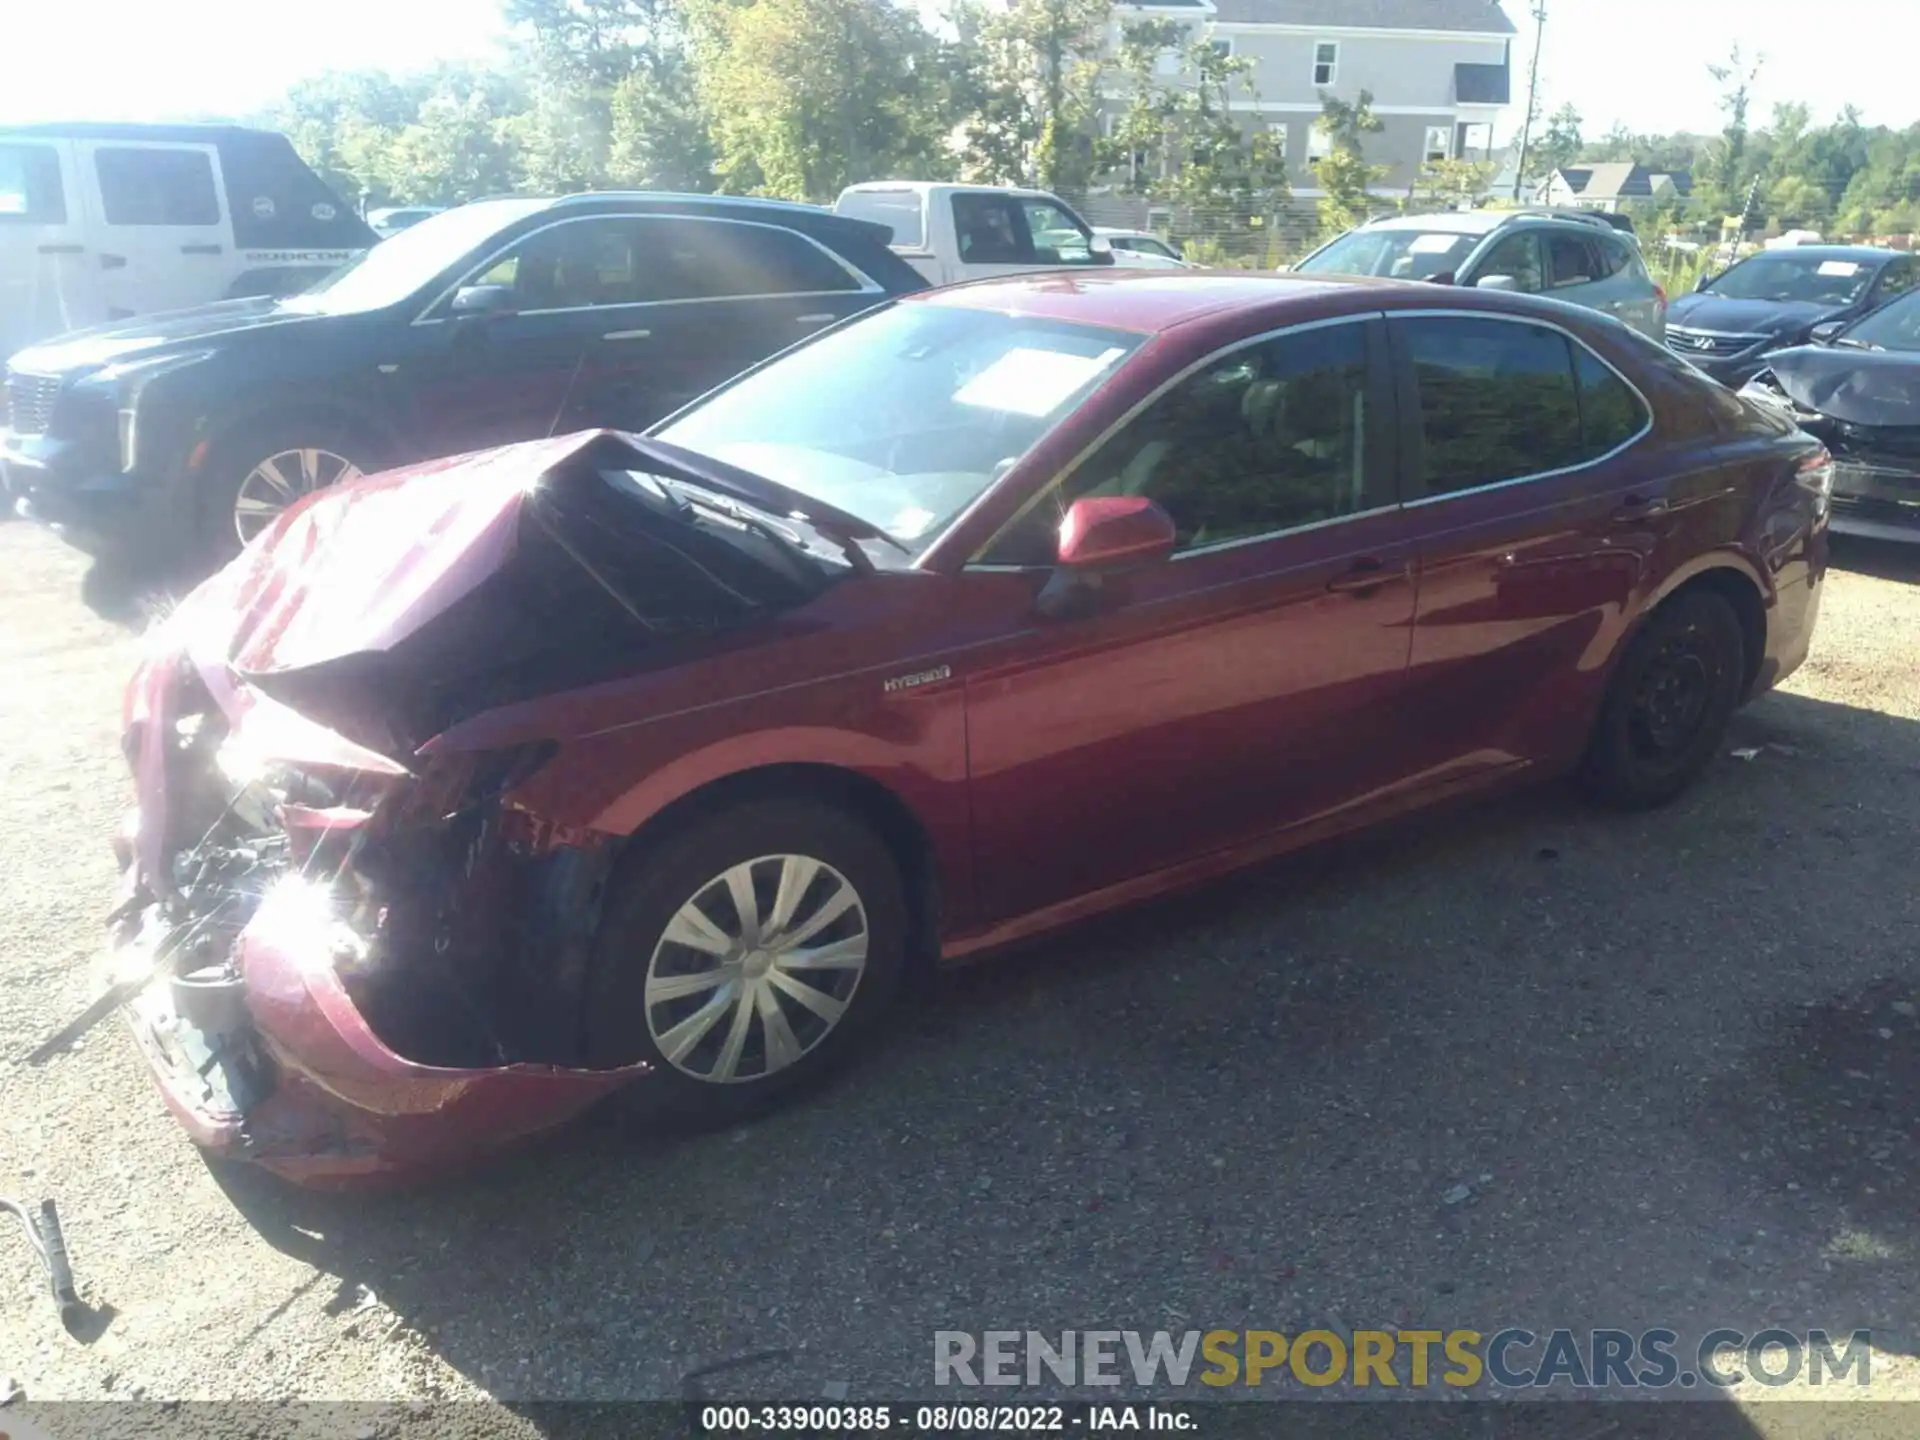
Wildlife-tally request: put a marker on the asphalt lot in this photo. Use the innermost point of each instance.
(1673, 1059)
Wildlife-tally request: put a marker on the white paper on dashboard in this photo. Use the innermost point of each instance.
(1839, 267)
(1032, 382)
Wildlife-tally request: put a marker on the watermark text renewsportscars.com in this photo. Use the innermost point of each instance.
(1512, 1358)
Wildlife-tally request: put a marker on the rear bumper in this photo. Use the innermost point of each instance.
(302, 1087)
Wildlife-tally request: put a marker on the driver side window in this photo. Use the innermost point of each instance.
(1264, 440)
(1518, 256)
(576, 265)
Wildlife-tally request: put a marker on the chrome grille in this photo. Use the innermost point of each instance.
(30, 402)
(1707, 345)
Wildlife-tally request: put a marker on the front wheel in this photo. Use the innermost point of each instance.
(746, 957)
(1666, 711)
(257, 475)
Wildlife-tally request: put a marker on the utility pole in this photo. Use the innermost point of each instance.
(1533, 97)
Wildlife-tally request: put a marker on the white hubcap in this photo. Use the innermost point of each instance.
(279, 480)
(756, 968)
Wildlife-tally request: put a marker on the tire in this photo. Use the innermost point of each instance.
(303, 454)
(686, 1036)
(1667, 707)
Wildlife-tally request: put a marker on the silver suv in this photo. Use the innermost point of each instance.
(1566, 255)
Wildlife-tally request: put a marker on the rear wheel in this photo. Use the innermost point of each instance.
(1668, 706)
(745, 958)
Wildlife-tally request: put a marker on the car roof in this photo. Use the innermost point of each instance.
(131, 130)
(1830, 252)
(1149, 302)
(1485, 222)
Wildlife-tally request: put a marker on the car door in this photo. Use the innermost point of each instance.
(511, 372)
(1534, 520)
(713, 297)
(48, 283)
(166, 240)
(1248, 683)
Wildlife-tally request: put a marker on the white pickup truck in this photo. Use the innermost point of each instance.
(951, 233)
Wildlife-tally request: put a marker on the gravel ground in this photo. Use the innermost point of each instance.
(1524, 1065)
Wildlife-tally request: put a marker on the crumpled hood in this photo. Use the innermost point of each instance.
(1707, 311)
(1860, 387)
(83, 351)
(389, 608)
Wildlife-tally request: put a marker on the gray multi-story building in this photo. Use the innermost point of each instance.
(1439, 71)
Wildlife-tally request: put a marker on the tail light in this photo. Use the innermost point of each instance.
(1660, 294)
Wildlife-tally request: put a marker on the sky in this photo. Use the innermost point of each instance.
(1638, 61)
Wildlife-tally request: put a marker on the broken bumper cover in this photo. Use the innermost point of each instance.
(303, 1087)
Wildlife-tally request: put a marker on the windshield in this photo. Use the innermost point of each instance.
(1896, 327)
(1795, 279)
(904, 418)
(1400, 254)
(396, 268)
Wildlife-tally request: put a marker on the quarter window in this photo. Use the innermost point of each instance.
(156, 185)
(1326, 62)
(1501, 400)
(30, 192)
(1264, 440)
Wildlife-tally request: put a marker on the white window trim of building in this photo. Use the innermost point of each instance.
(1282, 134)
(1332, 66)
(1443, 150)
(1319, 145)
(1222, 43)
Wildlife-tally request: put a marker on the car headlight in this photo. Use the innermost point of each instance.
(128, 380)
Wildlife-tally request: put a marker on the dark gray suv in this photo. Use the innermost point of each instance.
(1579, 258)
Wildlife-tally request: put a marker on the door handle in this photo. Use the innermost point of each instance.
(815, 319)
(199, 249)
(1365, 576)
(63, 249)
(1636, 508)
(113, 262)
(627, 335)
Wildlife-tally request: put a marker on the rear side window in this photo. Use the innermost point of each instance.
(154, 185)
(1611, 413)
(715, 259)
(1498, 400)
(1614, 256)
(30, 190)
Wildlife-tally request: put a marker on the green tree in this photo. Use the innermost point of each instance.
(809, 96)
(1726, 170)
(1178, 142)
(1030, 90)
(1345, 175)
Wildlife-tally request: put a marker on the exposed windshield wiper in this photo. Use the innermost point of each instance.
(750, 519)
(754, 489)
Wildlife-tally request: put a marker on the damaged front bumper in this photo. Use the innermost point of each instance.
(340, 970)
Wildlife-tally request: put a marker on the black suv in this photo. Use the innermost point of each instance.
(501, 320)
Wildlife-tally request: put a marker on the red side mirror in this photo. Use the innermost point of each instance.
(1112, 529)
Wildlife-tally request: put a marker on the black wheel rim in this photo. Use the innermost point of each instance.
(1676, 694)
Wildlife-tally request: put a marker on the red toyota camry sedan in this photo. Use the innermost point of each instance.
(472, 793)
